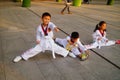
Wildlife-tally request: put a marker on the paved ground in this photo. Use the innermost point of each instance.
(17, 34)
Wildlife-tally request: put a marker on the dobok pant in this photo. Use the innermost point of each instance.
(99, 44)
(64, 43)
(45, 44)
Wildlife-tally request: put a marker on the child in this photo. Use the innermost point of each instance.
(73, 44)
(99, 37)
(67, 5)
(44, 40)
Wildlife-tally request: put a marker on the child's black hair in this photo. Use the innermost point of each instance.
(75, 35)
(98, 26)
(46, 14)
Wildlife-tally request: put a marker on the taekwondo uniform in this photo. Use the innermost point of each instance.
(77, 48)
(46, 43)
(98, 43)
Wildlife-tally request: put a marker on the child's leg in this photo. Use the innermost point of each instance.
(76, 51)
(60, 50)
(60, 41)
(31, 52)
(109, 43)
(63, 42)
(91, 46)
(81, 56)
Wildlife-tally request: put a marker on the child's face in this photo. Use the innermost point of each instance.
(74, 40)
(103, 27)
(46, 20)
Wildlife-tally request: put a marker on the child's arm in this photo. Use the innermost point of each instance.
(82, 48)
(53, 27)
(56, 29)
(38, 41)
(38, 36)
(96, 36)
(105, 38)
(68, 40)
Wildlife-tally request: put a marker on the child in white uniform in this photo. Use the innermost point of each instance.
(44, 40)
(73, 44)
(99, 37)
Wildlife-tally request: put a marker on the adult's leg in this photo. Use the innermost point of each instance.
(68, 8)
(62, 12)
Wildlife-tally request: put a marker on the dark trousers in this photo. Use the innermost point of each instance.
(86, 1)
(66, 7)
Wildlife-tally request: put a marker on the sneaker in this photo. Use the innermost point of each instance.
(62, 13)
(17, 59)
(71, 55)
(118, 42)
(99, 47)
(69, 12)
(84, 56)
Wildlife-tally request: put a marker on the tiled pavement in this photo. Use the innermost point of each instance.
(17, 34)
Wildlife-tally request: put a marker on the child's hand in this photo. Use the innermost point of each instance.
(106, 41)
(56, 29)
(49, 29)
(38, 41)
(99, 38)
(70, 42)
(87, 51)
